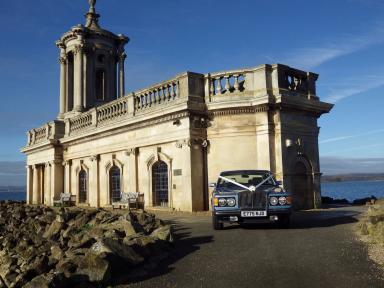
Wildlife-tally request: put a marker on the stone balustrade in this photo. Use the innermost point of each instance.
(50, 131)
(40, 134)
(221, 87)
(231, 82)
(297, 82)
(157, 95)
(81, 122)
(111, 111)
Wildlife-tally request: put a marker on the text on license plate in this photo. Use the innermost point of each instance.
(253, 213)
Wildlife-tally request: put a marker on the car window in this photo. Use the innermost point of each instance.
(249, 178)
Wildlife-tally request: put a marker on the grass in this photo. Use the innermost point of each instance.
(372, 225)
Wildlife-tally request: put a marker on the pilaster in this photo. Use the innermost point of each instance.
(94, 182)
(67, 176)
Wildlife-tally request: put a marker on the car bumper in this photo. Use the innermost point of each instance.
(235, 216)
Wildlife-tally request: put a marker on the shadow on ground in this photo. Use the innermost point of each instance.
(185, 243)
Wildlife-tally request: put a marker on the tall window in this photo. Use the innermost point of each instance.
(114, 180)
(100, 84)
(160, 183)
(83, 186)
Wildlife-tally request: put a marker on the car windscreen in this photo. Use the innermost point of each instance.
(246, 178)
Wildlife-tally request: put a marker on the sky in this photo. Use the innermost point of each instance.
(341, 40)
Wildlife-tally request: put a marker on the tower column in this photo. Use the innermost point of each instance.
(29, 184)
(35, 189)
(63, 85)
(78, 85)
(122, 57)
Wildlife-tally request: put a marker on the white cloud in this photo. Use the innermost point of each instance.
(339, 165)
(310, 57)
(340, 138)
(354, 87)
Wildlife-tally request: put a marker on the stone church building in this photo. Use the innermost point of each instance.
(170, 140)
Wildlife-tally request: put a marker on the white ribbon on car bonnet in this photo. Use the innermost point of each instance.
(250, 188)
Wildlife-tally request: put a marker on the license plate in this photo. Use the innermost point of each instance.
(253, 213)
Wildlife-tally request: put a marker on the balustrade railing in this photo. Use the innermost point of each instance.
(38, 135)
(261, 81)
(41, 134)
(112, 111)
(298, 81)
(156, 95)
(81, 122)
(226, 82)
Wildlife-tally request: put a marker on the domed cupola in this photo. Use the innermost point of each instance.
(91, 66)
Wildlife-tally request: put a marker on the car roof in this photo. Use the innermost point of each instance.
(244, 172)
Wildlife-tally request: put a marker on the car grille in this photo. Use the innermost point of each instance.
(252, 200)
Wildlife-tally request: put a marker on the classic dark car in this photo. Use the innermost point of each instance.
(249, 196)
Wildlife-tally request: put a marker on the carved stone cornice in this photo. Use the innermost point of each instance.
(236, 111)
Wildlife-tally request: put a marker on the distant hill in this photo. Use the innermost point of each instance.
(352, 177)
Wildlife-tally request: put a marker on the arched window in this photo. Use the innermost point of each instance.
(114, 184)
(83, 187)
(160, 183)
(100, 84)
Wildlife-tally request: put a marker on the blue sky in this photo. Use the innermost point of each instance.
(341, 40)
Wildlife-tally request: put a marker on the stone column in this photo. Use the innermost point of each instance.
(94, 182)
(47, 182)
(122, 57)
(29, 184)
(63, 85)
(78, 85)
(67, 176)
(85, 78)
(35, 192)
(57, 179)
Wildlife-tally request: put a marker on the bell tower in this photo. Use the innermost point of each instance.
(91, 66)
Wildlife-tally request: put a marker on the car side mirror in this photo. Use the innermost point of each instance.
(212, 185)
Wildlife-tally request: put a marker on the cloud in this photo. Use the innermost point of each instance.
(352, 87)
(341, 138)
(310, 57)
(339, 165)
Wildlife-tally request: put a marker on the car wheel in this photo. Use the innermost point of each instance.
(217, 225)
(284, 221)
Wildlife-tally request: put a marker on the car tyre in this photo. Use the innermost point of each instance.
(217, 225)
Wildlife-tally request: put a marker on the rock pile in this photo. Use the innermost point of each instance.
(45, 247)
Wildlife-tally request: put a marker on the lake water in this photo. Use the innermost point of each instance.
(350, 190)
(19, 196)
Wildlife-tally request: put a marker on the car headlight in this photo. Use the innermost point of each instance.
(222, 201)
(273, 201)
(231, 202)
(282, 200)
